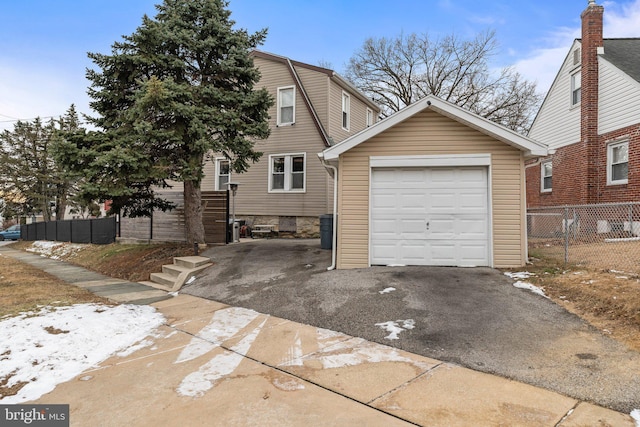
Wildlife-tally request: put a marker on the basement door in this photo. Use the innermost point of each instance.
(430, 216)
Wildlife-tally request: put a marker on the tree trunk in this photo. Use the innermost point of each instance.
(193, 212)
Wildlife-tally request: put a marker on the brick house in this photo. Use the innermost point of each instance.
(590, 120)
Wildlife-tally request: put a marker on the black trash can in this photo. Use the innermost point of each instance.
(326, 231)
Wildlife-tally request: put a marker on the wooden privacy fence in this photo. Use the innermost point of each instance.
(99, 231)
(170, 226)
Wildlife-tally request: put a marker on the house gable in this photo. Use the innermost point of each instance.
(583, 138)
(275, 187)
(557, 123)
(487, 127)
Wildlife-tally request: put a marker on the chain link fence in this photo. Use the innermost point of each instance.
(605, 236)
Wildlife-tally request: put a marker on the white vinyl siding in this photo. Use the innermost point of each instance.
(618, 163)
(576, 88)
(546, 178)
(286, 105)
(557, 124)
(287, 172)
(619, 99)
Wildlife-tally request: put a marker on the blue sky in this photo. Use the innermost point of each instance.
(43, 44)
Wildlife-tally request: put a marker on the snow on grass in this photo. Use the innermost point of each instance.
(54, 250)
(394, 328)
(53, 345)
(520, 284)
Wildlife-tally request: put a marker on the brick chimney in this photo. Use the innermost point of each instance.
(591, 41)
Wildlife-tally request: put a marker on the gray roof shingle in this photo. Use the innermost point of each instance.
(624, 54)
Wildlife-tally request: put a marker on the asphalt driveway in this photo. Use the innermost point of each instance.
(470, 316)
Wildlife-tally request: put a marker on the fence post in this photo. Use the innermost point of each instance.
(566, 236)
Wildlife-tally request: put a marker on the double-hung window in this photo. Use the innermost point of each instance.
(546, 169)
(286, 105)
(369, 117)
(618, 163)
(287, 172)
(576, 88)
(346, 111)
(223, 173)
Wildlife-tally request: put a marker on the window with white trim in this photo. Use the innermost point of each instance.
(546, 170)
(346, 111)
(223, 173)
(576, 88)
(286, 105)
(618, 163)
(369, 117)
(287, 172)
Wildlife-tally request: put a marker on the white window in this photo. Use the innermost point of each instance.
(286, 105)
(576, 88)
(287, 172)
(618, 163)
(346, 111)
(223, 173)
(369, 117)
(546, 169)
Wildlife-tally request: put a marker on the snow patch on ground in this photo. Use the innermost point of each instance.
(54, 345)
(224, 324)
(357, 351)
(394, 328)
(520, 284)
(54, 250)
(387, 290)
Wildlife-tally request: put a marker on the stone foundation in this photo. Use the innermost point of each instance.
(286, 226)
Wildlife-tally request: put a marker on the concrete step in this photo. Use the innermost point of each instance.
(175, 275)
(158, 286)
(163, 279)
(175, 270)
(191, 261)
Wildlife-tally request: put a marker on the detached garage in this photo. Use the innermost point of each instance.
(431, 185)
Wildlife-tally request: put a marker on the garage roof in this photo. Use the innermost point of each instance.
(530, 147)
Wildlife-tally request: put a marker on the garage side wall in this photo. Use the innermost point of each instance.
(429, 133)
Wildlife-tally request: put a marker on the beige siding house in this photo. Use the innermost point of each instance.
(288, 188)
(431, 185)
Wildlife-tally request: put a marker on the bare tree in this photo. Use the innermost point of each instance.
(396, 72)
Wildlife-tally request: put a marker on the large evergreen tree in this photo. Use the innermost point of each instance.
(180, 86)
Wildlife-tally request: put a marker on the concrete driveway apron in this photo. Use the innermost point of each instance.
(468, 316)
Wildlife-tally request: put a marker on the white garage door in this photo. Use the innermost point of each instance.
(430, 216)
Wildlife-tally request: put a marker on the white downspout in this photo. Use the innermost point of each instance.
(334, 237)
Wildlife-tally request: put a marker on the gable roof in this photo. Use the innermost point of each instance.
(624, 54)
(530, 147)
(341, 81)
